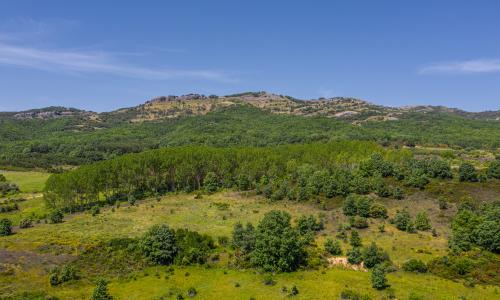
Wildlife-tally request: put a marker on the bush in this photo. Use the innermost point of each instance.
(494, 169)
(402, 220)
(309, 224)
(349, 206)
(378, 210)
(355, 240)
(358, 222)
(294, 291)
(398, 193)
(94, 210)
(61, 275)
(101, 291)
(415, 265)
(25, 223)
(352, 295)
(333, 247)
(373, 256)
(417, 179)
(354, 256)
(192, 292)
(5, 227)
(244, 238)
(467, 172)
(159, 244)
(422, 221)
(378, 279)
(192, 247)
(56, 216)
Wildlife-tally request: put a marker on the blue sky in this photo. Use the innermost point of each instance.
(103, 55)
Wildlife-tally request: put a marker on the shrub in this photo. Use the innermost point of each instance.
(354, 256)
(294, 291)
(417, 179)
(192, 247)
(373, 255)
(398, 193)
(378, 210)
(352, 295)
(467, 172)
(349, 206)
(192, 292)
(94, 210)
(25, 223)
(101, 291)
(381, 188)
(131, 200)
(355, 239)
(56, 216)
(415, 265)
(422, 221)
(378, 279)
(494, 169)
(159, 244)
(333, 247)
(61, 275)
(402, 220)
(309, 224)
(244, 238)
(5, 227)
(358, 222)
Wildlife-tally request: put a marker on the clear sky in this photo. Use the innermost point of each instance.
(103, 55)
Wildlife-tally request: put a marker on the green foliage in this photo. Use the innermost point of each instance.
(422, 221)
(358, 222)
(353, 295)
(192, 247)
(415, 265)
(467, 172)
(355, 239)
(309, 224)
(417, 178)
(378, 210)
(64, 274)
(481, 228)
(278, 247)
(403, 220)
(211, 182)
(379, 281)
(26, 223)
(333, 247)
(398, 193)
(101, 291)
(56, 216)
(357, 205)
(192, 168)
(159, 244)
(5, 227)
(373, 255)
(244, 238)
(494, 169)
(354, 256)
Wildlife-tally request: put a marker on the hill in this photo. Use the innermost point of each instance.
(58, 136)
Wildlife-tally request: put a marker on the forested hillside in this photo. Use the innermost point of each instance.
(71, 137)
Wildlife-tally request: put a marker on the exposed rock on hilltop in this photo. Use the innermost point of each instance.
(53, 112)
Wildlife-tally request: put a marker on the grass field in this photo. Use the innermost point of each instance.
(28, 181)
(28, 254)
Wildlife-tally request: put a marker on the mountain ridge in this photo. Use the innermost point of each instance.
(173, 106)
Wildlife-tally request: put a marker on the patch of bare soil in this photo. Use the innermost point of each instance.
(343, 263)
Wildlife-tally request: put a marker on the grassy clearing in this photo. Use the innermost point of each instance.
(28, 181)
(45, 242)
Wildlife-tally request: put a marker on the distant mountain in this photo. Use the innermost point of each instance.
(167, 107)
